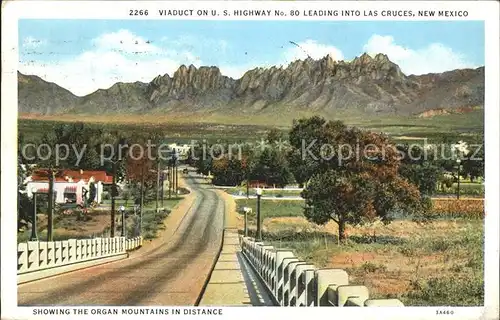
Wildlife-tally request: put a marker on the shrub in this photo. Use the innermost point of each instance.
(450, 291)
(372, 267)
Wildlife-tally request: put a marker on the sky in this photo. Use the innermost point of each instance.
(85, 55)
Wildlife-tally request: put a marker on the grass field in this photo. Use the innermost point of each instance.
(273, 208)
(97, 222)
(466, 189)
(434, 263)
(266, 192)
(185, 127)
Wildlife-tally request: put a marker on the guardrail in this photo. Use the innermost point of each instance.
(293, 282)
(39, 255)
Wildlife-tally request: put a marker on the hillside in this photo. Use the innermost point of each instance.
(364, 85)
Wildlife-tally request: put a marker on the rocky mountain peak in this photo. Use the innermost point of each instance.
(368, 83)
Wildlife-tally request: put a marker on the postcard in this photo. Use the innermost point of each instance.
(185, 159)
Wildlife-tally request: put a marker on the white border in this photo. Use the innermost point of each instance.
(478, 10)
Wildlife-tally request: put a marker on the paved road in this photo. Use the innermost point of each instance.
(171, 274)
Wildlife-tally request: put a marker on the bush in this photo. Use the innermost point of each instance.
(106, 196)
(372, 267)
(448, 291)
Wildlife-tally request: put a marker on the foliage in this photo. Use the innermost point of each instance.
(234, 164)
(348, 188)
(272, 167)
(308, 133)
(448, 290)
(419, 168)
(473, 164)
(24, 205)
(92, 192)
(75, 136)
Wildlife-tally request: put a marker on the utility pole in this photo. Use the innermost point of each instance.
(259, 229)
(142, 200)
(162, 187)
(50, 222)
(113, 193)
(34, 236)
(157, 185)
(170, 179)
(248, 185)
(458, 179)
(176, 178)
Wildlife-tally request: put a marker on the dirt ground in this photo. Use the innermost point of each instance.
(388, 259)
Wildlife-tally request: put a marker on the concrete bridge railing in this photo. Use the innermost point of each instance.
(35, 256)
(294, 282)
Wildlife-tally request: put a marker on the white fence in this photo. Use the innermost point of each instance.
(293, 282)
(38, 255)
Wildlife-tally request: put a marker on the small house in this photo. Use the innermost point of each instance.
(70, 186)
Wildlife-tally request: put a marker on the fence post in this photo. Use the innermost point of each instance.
(22, 257)
(280, 258)
(305, 275)
(324, 279)
(352, 295)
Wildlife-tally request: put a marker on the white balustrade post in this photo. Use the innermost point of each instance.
(326, 278)
(305, 278)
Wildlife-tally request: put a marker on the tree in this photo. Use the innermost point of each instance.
(307, 137)
(75, 136)
(24, 205)
(138, 167)
(419, 168)
(92, 193)
(272, 167)
(228, 171)
(473, 164)
(352, 187)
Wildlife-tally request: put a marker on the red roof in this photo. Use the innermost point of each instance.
(76, 175)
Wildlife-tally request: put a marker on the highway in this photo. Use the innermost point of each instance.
(173, 273)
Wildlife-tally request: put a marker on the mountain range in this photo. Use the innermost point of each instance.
(370, 85)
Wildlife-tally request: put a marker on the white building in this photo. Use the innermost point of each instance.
(69, 185)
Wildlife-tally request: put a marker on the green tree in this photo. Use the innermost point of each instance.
(350, 186)
(70, 137)
(473, 164)
(272, 167)
(419, 168)
(24, 204)
(307, 137)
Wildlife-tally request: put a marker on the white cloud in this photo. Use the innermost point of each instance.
(237, 71)
(124, 41)
(115, 57)
(32, 43)
(435, 57)
(312, 48)
(309, 47)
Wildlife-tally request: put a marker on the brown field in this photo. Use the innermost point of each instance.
(469, 207)
(392, 260)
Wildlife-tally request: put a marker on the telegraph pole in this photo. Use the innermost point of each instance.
(170, 179)
(176, 178)
(157, 185)
(113, 193)
(142, 199)
(50, 222)
(162, 187)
